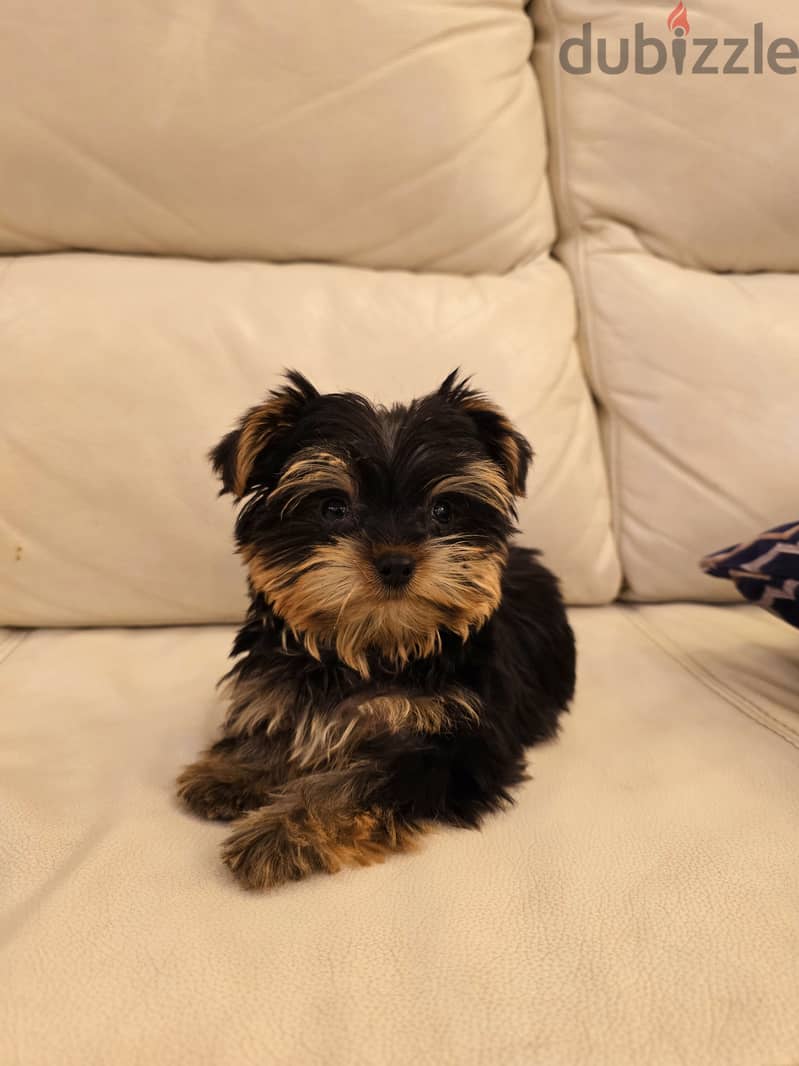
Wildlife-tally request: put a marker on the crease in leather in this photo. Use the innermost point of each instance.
(36, 243)
(10, 642)
(415, 181)
(682, 128)
(337, 93)
(621, 421)
(108, 170)
(715, 684)
(440, 263)
(663, 244)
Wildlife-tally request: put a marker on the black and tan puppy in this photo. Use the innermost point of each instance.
(398, 656)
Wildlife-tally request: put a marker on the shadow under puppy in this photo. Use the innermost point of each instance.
(398, 655)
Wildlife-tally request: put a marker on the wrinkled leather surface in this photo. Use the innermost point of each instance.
(639, 904)
(118, 374)
(738, 653)
(387, 135)
(703, 168)
(661, 183)
(699, 374)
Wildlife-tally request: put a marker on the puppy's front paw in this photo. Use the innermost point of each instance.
(218, 790)
(278, 843)
(266, 850)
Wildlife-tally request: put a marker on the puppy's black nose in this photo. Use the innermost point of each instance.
(395, 569)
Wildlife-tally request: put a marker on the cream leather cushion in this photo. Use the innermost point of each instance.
(638, 905)
(698, 371)
(118, 374)
(700, 377)
(704, 168)
(402, 134)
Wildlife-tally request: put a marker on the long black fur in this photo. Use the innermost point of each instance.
(519, 664)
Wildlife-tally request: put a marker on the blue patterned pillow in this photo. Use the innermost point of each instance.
(765, 570)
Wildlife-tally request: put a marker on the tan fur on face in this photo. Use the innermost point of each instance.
(262, 423)
(513, 460)
(312, 471)
(315, 824)
(482, 480)
(335, 598)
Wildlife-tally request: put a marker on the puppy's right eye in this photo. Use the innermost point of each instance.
(441, 512)
(334, 508)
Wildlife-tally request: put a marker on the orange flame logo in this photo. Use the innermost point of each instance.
(678, 19)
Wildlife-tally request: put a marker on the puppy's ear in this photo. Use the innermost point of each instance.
(246, 457)
(503, 442)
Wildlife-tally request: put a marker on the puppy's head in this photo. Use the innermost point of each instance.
(370, 530)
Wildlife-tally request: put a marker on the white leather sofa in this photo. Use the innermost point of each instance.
(197, 195)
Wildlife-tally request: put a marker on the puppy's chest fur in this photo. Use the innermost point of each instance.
(324, 716)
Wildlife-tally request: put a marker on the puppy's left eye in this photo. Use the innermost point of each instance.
(441, 512)
(335, 508)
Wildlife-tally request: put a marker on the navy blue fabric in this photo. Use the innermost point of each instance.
(764, 570)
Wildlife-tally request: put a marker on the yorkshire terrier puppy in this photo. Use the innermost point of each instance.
(398, 655)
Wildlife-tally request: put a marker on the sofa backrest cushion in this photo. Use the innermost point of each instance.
(677, 199)
(119, 373)
(399, 135)
(404, 137)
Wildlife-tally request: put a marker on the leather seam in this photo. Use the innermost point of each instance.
(736, 699)
(584, 297)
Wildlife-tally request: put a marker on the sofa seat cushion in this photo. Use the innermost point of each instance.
(642, 889)
(747, 657)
